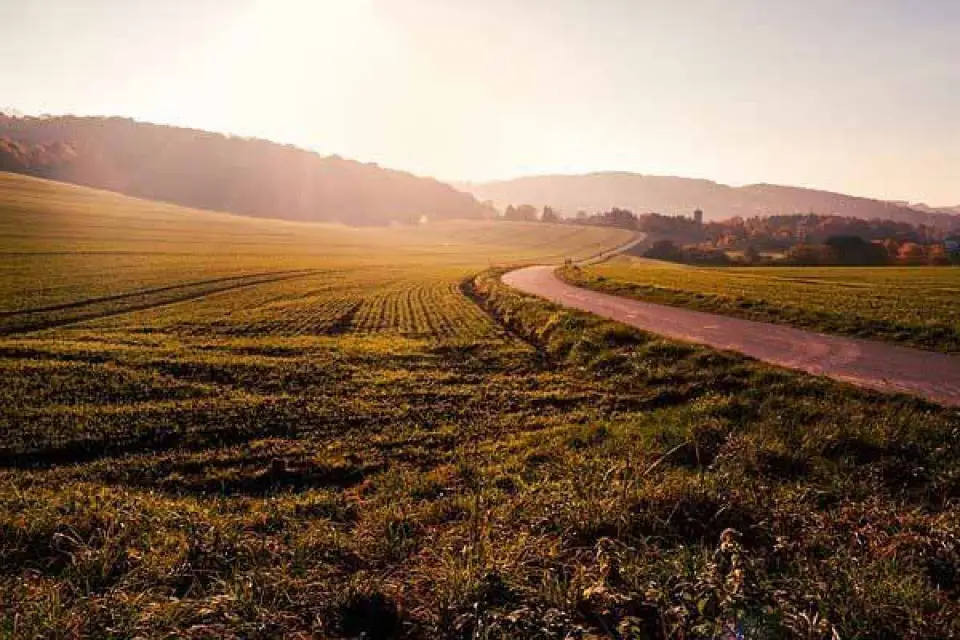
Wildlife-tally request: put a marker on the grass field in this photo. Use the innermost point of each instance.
(214, 427)
(916, 306)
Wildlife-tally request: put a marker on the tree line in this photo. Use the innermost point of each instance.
(208, 170)
(802, 239)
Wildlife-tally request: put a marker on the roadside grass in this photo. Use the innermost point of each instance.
(915, 306)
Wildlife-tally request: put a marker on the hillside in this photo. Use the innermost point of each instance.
(920, 206)
(212, 171)
(63, 245)
(672, 195)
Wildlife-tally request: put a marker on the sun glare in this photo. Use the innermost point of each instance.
(291, 59)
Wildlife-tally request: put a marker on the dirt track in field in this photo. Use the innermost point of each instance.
(874, 365)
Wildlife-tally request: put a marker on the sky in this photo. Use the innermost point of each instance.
(857, 96)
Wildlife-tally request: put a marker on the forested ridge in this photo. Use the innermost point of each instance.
(213, 171)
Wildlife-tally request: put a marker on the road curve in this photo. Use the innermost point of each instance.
(637, 239)
(874, 365)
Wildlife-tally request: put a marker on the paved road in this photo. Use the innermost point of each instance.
(637, 239)
(875, 365)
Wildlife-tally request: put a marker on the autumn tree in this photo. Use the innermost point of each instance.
(622, 218)
(521, 213)
(665, 250)
(549, 215)
(911, 253)
(854, 250)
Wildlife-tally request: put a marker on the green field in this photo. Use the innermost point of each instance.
(916, 306)
(216, 427)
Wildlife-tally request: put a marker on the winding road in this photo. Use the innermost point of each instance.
(874, 365)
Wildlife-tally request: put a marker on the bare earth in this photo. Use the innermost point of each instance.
(874, 365)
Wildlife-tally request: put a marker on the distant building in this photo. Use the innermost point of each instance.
(698, 216)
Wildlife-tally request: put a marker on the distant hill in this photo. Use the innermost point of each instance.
(670, 195)
(919, 206)
(212, 171)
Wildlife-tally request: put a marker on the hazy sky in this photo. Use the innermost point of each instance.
(860, 96)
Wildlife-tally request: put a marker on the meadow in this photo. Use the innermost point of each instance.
(215, 427)
(915, 306)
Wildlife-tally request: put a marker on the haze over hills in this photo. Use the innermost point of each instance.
(212, 171)
(672, 195)
(920, 206)
(259, 178)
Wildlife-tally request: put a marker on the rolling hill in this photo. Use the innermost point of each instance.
(212, 171)
(920, 206)
(672, 195)
(64, 247)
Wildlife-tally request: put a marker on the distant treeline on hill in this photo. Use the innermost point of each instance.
(797, 239)
(213, 171)
(802, 239)
(779, 232)
(835, 250)
(674, 195)
(774, 232)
